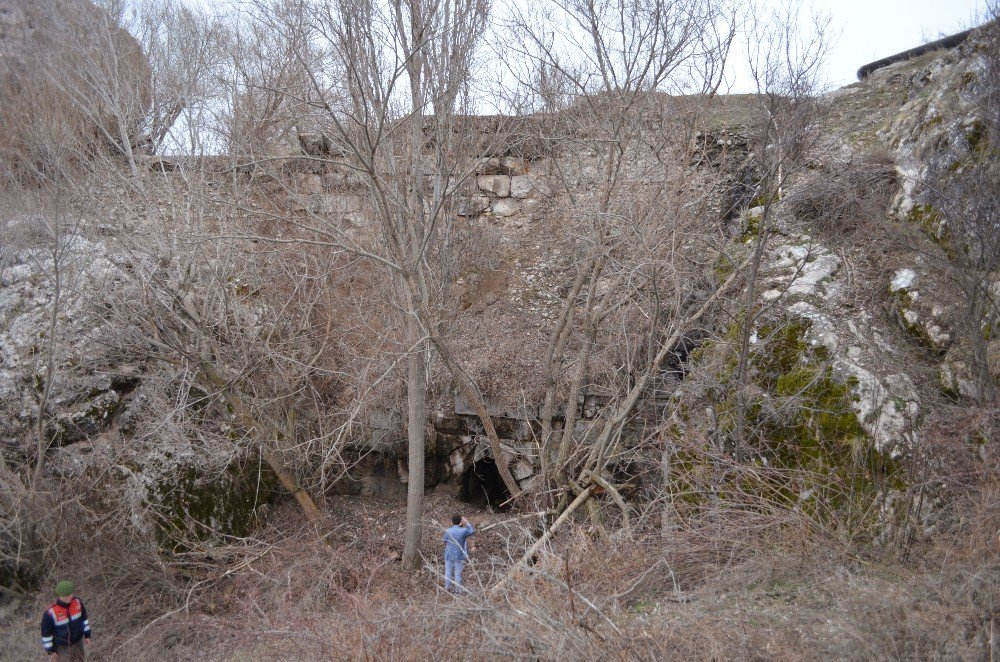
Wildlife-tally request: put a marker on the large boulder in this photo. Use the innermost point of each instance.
(71, 361)
(71, 79)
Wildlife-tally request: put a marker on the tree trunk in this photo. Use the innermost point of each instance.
(247, 418)
(746, 320)
(668, 516)
(416, 401)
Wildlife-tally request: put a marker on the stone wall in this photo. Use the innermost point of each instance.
(497, 187)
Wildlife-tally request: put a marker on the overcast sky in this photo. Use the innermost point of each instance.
(873, 29)
(865, 30)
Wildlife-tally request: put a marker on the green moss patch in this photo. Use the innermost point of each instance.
(931, 222)
(977, 136)
(803, 429)
(202, 505)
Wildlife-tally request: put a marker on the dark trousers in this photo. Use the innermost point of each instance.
(75, 652)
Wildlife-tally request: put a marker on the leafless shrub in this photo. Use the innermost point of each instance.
(839, 200)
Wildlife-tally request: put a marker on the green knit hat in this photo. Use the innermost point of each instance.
(64, 588)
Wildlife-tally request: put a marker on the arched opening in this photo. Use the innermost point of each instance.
(483, 486)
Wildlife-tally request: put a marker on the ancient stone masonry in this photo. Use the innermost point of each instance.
(458, 451)
(499, 187)
(517, 186)
(843, 350)
(727, 151)
(715, 148)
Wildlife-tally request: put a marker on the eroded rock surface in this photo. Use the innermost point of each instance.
(804, 280)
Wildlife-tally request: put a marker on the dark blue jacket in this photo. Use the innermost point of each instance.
(64, 624)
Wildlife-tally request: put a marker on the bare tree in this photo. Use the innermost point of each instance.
(785, 64)
(43, 228)
(266, 81)
(639, 283)
(386, 96)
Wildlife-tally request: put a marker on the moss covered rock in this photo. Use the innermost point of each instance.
(188, 498)
(923, 316)
(956, 375)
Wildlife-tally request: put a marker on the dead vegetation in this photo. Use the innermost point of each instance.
(839, 198)
(270, 330)
(741, 584)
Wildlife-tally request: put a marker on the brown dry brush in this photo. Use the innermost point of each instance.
(841, 198)
(735, 577)
(719, 559)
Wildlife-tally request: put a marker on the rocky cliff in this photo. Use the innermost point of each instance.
(55, 56)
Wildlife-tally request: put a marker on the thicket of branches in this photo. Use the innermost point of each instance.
(283, 261)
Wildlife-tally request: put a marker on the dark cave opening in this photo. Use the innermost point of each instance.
(483, 486)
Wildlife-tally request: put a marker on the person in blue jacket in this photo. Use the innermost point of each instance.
(456, 552)
(65, 625)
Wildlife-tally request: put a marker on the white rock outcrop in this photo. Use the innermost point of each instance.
(802, 277)
(926, 317)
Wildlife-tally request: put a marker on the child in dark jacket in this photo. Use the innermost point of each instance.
(65, 625)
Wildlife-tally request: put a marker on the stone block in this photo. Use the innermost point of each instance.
(526, 186)
(459, 461)
(506, 207)
(520, 413)
(495, 185)
(533, 484)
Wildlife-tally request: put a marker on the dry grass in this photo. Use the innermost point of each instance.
(792, 591)
(847, 197)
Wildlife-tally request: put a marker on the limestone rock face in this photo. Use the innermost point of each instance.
(85, 391)
(98, 421)
(803, 279)
(922, 313)
(800, 270)
(930, 132)
(955, 374)
(993, 359)
(51, 53)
